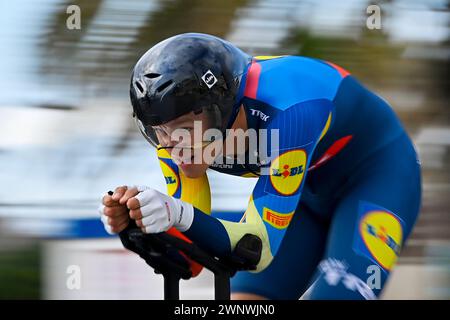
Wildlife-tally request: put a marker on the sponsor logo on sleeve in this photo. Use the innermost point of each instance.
(287, 171)
(172, 179)
(379, 235)
(277, 219)
(258, 113)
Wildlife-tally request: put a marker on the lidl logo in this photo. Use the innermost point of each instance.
(380, 236)
(277, 219)
(287, 171)
(172, 180)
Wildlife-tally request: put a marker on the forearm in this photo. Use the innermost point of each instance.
(219, 237)
(209, 234)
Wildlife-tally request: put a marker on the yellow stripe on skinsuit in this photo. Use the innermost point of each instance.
(254, 225)
(268, 57)
(249, 175)
(194, 191)
(327, 126)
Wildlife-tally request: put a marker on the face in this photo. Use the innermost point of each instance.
(192, 150)
(183, 143)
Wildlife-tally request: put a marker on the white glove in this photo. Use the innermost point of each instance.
(160, 212)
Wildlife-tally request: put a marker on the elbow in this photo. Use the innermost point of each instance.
(266, 259)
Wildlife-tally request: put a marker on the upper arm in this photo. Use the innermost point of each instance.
(278, 190)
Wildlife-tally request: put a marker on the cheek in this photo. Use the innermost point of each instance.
(181, 154)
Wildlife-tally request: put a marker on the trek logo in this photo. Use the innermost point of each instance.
(287, 171)
(209, 79)
(380, 233)
(258, 113)
(277, 219)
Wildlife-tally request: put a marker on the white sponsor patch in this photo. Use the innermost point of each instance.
(209, 79)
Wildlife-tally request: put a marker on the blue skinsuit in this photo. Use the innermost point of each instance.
(335, 200)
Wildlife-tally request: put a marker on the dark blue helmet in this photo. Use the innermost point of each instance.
(190, 72)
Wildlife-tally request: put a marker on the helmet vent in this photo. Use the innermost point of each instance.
(164, 85)
(152, 75)
(139, 86)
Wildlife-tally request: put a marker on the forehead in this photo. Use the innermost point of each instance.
(185, 119)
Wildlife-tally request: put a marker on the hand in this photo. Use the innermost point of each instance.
(114, 211)
(155, 212)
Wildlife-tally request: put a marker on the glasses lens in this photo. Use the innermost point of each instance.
(148, 133)
(211, 118)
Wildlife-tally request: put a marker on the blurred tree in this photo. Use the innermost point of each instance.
(180, 16)
(20, 273)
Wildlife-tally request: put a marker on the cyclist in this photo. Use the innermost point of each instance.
(339, 182)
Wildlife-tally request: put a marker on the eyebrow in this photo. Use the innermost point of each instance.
(184, 123)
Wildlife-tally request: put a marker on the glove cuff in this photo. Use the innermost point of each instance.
(185, 215)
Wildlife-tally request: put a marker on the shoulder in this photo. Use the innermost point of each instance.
(288, 80)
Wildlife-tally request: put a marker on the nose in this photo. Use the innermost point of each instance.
(166, 141)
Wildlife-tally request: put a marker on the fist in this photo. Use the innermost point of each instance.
(113, 210)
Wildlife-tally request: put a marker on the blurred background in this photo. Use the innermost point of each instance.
(67, 136)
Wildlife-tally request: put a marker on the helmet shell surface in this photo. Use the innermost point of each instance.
(185, 73)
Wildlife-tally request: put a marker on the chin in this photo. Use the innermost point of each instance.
(193, 170)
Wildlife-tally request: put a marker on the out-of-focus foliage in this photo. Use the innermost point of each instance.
(20, 273)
